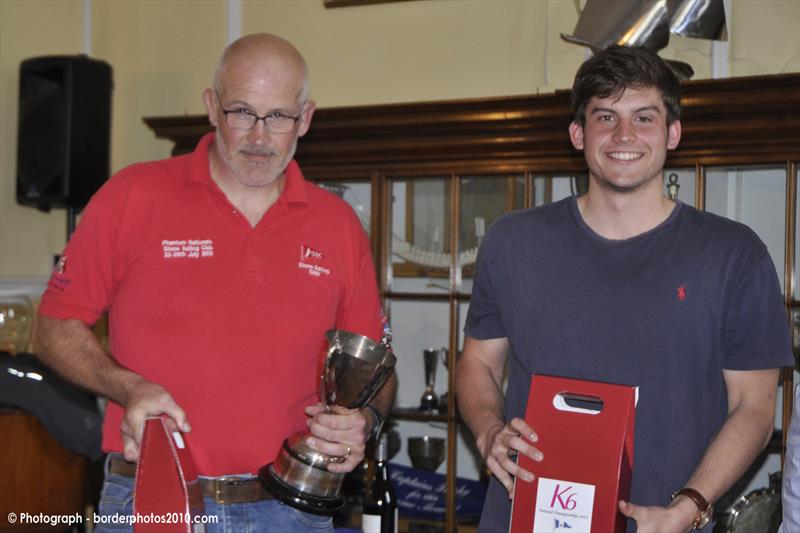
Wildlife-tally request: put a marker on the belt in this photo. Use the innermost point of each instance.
(219, 489)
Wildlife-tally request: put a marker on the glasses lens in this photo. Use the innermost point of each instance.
(280, 124)
(240, 120)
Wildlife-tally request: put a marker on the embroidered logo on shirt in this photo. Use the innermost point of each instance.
(58, 280)
(187, 248)
(307, 252)
(681, 293)
(309, 259)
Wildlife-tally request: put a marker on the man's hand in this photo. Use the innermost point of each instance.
(677, 518)
(339, 432)
(70, 348)
(499, 447)
(145, 399)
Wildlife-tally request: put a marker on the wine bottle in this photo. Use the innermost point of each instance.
(380, 502)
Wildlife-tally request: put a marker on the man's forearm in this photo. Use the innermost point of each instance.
(746, 431)
(70, 348)
(742, 437)
(480, 400)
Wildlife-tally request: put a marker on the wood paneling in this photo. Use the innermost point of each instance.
(725, 122)
(39, 475)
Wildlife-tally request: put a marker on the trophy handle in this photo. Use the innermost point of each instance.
(334, 346)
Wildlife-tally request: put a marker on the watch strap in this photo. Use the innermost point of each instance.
(704, 508)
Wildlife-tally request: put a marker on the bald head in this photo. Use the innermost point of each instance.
(262, 54)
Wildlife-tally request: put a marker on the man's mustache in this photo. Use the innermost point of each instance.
(257, 151)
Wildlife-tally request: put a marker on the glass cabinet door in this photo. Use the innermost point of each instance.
(419, 326)
(755, 196)
(552, 188)
(420, 224)
(482, 200)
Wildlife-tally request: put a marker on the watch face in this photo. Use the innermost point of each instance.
(701, 521)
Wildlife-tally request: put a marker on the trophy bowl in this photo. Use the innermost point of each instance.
(426, 453)
(354, 369)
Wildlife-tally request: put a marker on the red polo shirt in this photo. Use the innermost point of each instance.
(228, 318)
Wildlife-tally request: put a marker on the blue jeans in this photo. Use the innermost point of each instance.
(116, 499)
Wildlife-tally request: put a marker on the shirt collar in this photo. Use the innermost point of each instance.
(200, 167)
(294, 190)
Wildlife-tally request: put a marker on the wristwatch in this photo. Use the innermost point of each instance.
(705, 510)
(377, 423)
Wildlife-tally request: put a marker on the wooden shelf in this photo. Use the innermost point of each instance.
(410, 413)
(726, 121)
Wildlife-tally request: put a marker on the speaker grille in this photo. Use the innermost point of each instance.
(42, 141)
(64, 130)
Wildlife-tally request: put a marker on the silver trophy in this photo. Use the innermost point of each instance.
(354, 369)
(429, 400)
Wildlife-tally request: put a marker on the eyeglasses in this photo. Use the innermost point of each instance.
(276, 122)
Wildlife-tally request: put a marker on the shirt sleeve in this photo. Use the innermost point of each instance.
(756, 332)
(82, 282)
(484, 320)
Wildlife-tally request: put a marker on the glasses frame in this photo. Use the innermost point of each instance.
(267, 124)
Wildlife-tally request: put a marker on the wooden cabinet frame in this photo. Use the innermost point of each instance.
(731, 122)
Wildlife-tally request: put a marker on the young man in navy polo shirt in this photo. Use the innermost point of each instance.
(624, 285)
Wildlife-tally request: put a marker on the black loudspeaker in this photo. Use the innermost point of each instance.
(64, 130)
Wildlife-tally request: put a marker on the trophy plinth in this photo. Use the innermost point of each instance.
(355, 368)
(299, 477)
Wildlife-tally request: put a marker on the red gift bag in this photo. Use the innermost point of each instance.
(585, 431)
(167, 495)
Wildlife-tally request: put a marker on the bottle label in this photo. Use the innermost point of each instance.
(371, 523)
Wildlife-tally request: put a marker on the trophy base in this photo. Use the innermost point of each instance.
(299, 500)
(429, 403)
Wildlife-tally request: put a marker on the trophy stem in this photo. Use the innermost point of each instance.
(429, 401)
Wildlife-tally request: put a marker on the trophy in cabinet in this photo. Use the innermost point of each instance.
(426, 452)
(354, 369)
(429, 400)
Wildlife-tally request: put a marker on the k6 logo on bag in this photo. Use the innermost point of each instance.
(562, 506)
(564, 497)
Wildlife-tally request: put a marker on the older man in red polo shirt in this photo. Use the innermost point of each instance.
(221, 270)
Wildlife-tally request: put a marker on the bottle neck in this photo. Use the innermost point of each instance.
(381, 450)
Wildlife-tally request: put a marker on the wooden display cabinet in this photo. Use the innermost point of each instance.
(498, 154)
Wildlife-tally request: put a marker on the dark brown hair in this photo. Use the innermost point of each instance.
(611, 71)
